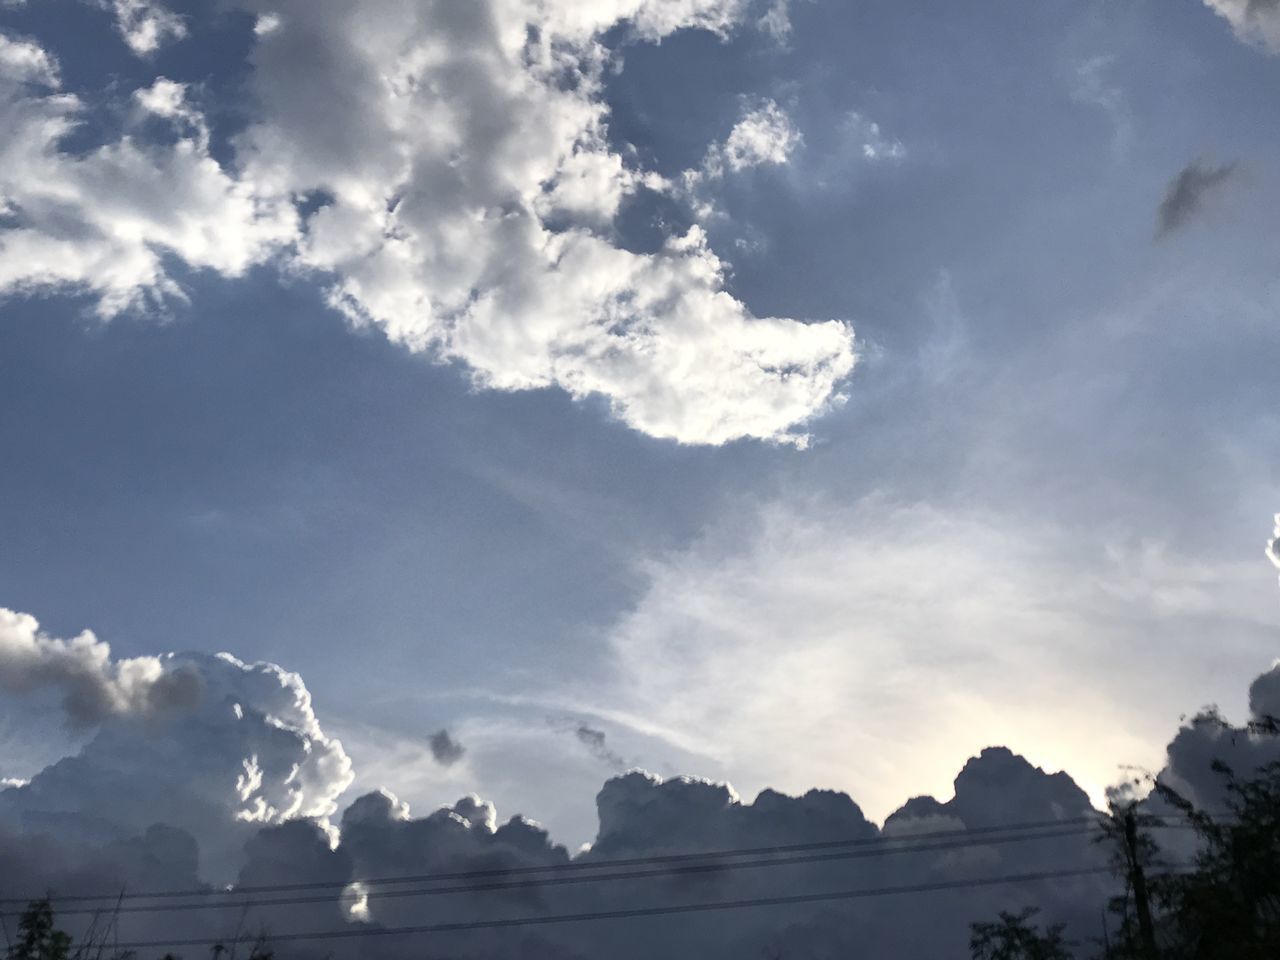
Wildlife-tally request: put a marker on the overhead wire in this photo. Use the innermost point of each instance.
(552, 881)
(356, 932)
(573, 865)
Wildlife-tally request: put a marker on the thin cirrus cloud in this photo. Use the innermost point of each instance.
(916, 633)
(432, 168)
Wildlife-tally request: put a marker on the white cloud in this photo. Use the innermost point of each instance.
(776, 20)
(24, 62)
(205, 743)
(765, 135)
(105, 221)
(1273, 545)
(469, 186)
(1254, 21)
(146, 25)
(869, 140)
(1090, 85)
(872, 647)
(469, 144)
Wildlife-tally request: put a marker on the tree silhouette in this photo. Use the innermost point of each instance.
(1228, 907)
(38, 938)
(1013, 937)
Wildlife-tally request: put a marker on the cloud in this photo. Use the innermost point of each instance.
(596, 743)
(1254, 21)
(25, 62)
(776, 20)
(1273, 545)
(446, 750)
(1187, 193)
(208, 744)
(869, 140)
(763, 136)
(146, 25)
(160, 804)
(1091, 86)
(469, 190)
(94, 687)
(105, 221)
(915, 632)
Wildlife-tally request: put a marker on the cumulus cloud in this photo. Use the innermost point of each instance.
(445, 748)
(1254, 21)
(106, 220)
(241, 789)
(94, 687)
(1187, 193)
(204, 743)
(467, 188)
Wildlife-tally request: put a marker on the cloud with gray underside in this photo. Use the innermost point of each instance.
(92, 684)
(1188, 193)
(445, 748)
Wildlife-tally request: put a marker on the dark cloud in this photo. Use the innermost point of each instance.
(597, 743)
(240, 790)
(445, 748)
(1187, 192)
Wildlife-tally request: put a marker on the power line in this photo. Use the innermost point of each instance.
(637, 912)
(575, 865)
(671, 871)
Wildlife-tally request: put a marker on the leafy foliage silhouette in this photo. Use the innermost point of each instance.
(1013, 937)
(1225, 906)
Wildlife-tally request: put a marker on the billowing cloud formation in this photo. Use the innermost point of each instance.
(445, 748)
(105, 220)
(1187, 192)
(1255, 21)
(93, 686)
(159, 805)
(459, 191)
(239, 745)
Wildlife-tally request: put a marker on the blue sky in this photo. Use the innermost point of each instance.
(1031, 513)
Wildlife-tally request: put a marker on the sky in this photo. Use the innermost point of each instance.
(792, 395)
